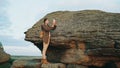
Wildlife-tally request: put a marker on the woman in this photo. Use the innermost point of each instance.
(46, 37)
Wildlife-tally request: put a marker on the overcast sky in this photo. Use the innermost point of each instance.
(16, 16)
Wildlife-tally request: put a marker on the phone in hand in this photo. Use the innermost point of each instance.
(54, 21)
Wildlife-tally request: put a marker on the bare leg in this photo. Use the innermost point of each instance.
(45, 47)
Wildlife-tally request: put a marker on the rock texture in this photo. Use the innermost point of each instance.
(35, 63)
(88, 37)
(26, 64)
(4, 58)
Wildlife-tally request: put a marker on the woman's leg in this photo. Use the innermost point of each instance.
(45, 47)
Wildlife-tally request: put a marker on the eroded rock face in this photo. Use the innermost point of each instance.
(4, 57)
(26, 64)
(35, 63)
(89, 37)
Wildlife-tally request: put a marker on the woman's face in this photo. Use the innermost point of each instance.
(47, 21)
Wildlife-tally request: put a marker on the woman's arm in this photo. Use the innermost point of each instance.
(48, 28)
(54, 24)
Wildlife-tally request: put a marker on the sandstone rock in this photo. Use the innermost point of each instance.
(35, 64)
(4, 57)
(75, 56)
(75, 66)
(26, 64)
(117, 64)
(53, 65)
(88, 37)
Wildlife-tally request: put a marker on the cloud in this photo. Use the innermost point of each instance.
(19, 47)
(106, 5)
(10, 41)
(4, 20)
(23, 14)
(22, 50)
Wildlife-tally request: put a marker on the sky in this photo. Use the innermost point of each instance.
(17, 16)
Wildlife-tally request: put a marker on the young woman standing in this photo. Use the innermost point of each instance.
(46, 37)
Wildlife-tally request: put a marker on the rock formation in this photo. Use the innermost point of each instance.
(35, 63)
(21, 63)
(4, 57)
(88, 37)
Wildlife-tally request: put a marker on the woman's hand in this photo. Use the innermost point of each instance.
(54, 23)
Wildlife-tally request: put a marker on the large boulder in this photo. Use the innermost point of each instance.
(88, 37)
